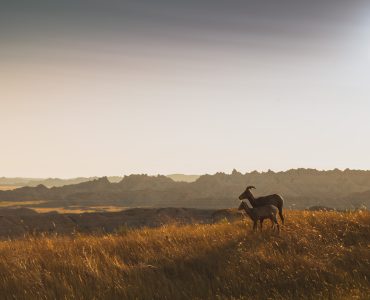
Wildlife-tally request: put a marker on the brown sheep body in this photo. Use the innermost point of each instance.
(273, 199)
(260, 214)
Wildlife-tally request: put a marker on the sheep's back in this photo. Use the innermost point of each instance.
(274, 199)
(266, 210)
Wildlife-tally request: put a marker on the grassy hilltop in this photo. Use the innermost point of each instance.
(317, 255)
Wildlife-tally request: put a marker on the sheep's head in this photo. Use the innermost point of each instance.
(247, 193)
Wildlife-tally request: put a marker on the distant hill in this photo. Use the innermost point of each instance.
(48, 182)
(183, 177)
(57, 182)
(301, 188)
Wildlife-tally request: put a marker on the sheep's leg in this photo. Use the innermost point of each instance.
(254, 225)
(261, 221)
(281, 214)
(272, 222)
(276, 223)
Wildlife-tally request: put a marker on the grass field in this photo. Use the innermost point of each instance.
(321, 255)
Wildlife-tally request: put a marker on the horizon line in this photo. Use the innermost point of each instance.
(187, 174)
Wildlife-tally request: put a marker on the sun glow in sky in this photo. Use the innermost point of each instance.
(118, 87)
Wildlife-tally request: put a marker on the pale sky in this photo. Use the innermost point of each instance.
(93, 88)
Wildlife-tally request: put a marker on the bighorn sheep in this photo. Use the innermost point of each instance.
(273, 199)
(261, 213)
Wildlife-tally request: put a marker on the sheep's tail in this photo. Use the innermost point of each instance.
(281, 210)
(281, 214)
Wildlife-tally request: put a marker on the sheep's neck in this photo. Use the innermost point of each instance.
(249, 212)
(251, 197)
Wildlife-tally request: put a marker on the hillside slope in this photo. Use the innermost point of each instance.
(321, 255)
(23, 221)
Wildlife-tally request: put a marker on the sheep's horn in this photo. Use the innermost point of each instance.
(250, 187)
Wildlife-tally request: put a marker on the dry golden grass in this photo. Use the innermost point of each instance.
(321, 255)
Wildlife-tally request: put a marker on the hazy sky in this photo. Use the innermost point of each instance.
(118, 87)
